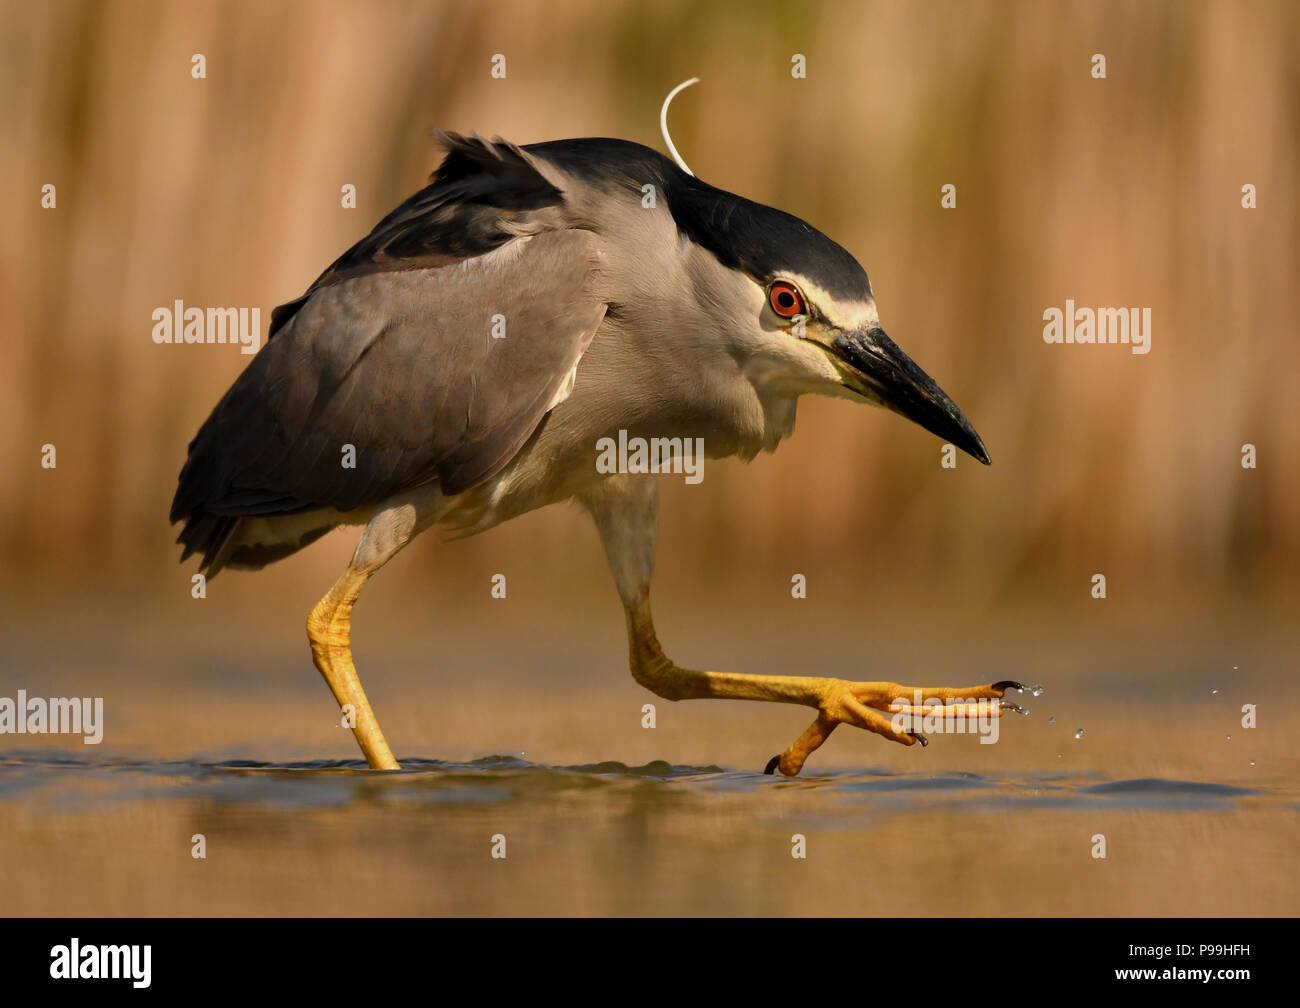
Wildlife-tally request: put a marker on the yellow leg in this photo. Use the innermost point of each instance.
(329, 629)
(865, 705)
(625, 509)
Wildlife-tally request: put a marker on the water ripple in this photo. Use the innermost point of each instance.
(66, 781)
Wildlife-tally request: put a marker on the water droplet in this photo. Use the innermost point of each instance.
(1234, 668)
(1038, 690)
(1058, 755)
(1051, 720)
(1252, 762)
(1080, 733)
(1229, 738)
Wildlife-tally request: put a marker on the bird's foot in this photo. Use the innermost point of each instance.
(891, 710)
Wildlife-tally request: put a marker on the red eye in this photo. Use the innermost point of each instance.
(785, 299)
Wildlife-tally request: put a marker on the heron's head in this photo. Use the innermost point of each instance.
(801, 315)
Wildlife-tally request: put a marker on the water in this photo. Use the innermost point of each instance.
(65, 780)
(329, 836)
(233, 750)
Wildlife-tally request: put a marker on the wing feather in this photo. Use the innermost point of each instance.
(404, 368)
(392, 352)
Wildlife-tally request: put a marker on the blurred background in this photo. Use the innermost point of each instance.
(1117, 192)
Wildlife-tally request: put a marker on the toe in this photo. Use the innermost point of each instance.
(855, 713)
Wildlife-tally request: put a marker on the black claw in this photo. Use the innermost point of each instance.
(772, 764)
(1007, 684)
(922, 739)
(1008, 705)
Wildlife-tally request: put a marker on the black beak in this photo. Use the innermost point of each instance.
(891, 378)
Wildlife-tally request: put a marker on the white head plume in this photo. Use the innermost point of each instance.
(663, 123)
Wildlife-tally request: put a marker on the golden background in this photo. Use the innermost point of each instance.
(1120, 192)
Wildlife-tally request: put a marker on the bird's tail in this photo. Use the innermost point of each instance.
(211, 535)
(249, 542)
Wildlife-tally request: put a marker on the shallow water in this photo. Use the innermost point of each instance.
(63, 779)
(116, 836)
(233, 744)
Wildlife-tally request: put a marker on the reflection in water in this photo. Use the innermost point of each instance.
(117, 837)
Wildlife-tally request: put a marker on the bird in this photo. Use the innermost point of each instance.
(459, 365)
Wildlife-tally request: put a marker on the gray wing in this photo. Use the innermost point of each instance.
(395, 355)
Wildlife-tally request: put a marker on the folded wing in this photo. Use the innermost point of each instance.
(430, 351)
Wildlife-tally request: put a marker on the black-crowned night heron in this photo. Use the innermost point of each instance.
(476, 346)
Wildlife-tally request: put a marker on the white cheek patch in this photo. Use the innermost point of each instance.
(817, 365)
(794, 368)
